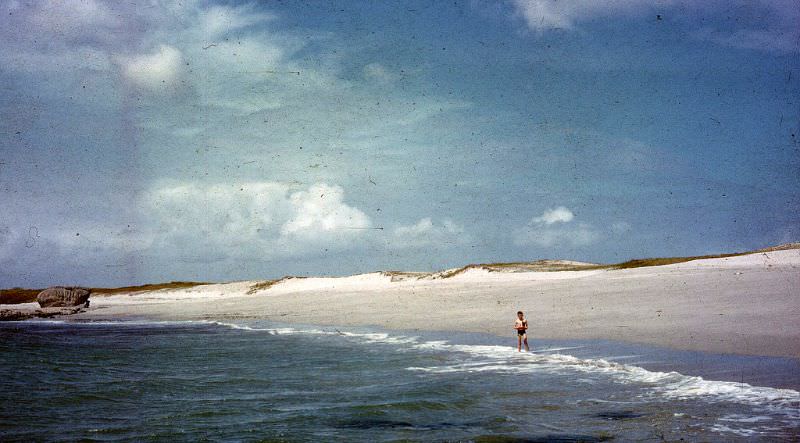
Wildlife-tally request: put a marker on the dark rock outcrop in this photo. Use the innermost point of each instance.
(14, 315)
(60, 296)
(25, 314)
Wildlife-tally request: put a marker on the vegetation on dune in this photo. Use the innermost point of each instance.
(535, 266)
(642, 262)
(404, 275)
(18, 295)
(266, 284)
(542, 265)
(149, 287)
(454, 272)
(260, 286)
(783, 247)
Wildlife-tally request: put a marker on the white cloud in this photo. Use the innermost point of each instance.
(251, 220)
(257, 221)
(154, 71)
(320, 212)
(220, 209)
(422, 227)
(202, 223)
(425, 232)
(556, 215)
(555, 228)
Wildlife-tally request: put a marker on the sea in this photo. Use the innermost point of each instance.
(260, 381)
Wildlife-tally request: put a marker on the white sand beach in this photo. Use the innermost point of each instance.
(746, 304)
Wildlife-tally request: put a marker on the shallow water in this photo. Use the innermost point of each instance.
(257, 381)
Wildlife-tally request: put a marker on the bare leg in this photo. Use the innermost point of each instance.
(526, 342)
(519, 343)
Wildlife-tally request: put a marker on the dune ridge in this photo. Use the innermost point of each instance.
(742, 304)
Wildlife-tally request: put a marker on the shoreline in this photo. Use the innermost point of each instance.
(780, 373)
(744, 305)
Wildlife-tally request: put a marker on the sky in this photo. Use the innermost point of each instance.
(151, 141)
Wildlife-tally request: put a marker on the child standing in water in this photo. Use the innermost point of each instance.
(521, 325)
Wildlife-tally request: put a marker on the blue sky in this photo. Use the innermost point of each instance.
(151, 141)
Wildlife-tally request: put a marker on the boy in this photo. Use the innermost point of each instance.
(521, 325)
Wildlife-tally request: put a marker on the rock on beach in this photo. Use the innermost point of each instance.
(60, 296)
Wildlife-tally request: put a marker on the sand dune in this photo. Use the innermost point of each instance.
(746, 304)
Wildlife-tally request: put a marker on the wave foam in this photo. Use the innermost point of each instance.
(672, 385)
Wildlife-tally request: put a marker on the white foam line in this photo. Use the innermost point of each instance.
(621, 357)
(35, 321)
(745, 418)
(671, 384)
(566, 348)
(600, 400)
(722, 429)
(373, 337)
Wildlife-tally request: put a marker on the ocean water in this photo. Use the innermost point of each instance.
(258, 381)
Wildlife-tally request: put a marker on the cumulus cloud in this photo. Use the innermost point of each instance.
(154, 71)
(253, 219)
(321, 212)
(556, 215)
(425, 232)
(554, 227)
